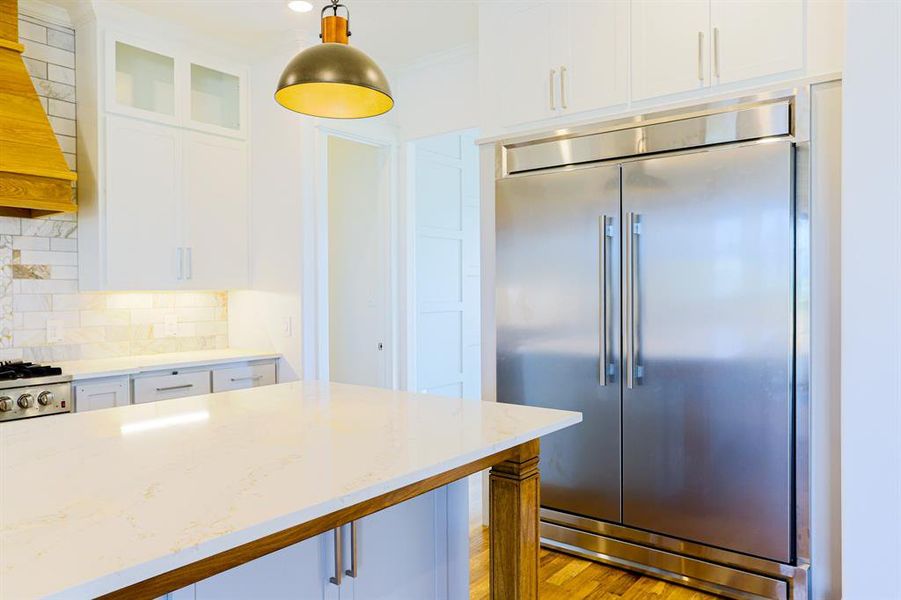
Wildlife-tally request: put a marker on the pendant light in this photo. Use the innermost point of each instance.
(333, 79)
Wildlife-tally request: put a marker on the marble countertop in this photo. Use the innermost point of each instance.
(93, 502)
(130, 365)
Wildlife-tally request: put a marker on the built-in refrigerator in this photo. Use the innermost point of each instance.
(646, 277)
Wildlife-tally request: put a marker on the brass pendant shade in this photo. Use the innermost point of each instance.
(333, 79)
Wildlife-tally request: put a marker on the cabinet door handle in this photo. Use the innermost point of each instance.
(716, 52)
(338, 559)
(701, 56)
(179, 263)
(550, 87)
(189, 259)
(352, 571)
(563, 87)
(250, 378)
(172, 388)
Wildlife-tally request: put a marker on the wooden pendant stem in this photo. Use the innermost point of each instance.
(513, 528)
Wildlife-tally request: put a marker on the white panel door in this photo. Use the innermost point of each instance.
(515, 68)
(669, 46)
(597, 66)
(215, 212)
(750, 38)
(293, 573)
(142, 205)
(447, 267)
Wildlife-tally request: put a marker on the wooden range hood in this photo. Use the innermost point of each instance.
(35, 179)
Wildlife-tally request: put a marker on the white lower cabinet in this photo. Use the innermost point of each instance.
(173, 385)
(107, 392)
(245, 376)
(401, 553)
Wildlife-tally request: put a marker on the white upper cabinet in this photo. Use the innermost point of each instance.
(595, 70)
(169, 84)
(669, 46)
(215, 212)
(142, 205)
(163, 195)
(515, 62)
(540, 60)
(753, 39)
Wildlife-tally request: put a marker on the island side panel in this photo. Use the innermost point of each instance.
(513, 526)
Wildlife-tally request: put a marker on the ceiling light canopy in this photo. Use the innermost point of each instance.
(333, 79)
(300, 6)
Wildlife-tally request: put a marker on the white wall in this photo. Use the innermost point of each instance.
(281, 176)
(871, 303)
(438, 95)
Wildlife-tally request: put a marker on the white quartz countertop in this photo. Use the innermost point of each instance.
(130, 365)
(96, 501)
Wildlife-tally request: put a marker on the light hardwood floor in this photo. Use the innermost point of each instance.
(564, 577)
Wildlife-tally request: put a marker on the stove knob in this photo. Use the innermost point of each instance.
(25, 401)
(45, 398)
(6, 403)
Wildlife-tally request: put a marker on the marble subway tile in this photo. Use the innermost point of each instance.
(105, 317)
(48, 228)
(63, 272)
(61, 108)
(60, 74)
(206, 328)
(22, 242)
(23, 303)
(84, 335)
(40, 257)
(49, 54)
(105, 349)
(54, 90)
(129, 300)
(79, 301)
(60, 39)
(10, 226)
(32, 31)
(38, 320)
(29, 337)
(44, 286)
(63, 244)
(66, 143)
(62, 126)
(196, 314)
(30, 271)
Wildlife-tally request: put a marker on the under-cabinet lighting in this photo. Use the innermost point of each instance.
(164, 422)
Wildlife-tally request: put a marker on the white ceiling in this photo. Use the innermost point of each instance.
(394, 32)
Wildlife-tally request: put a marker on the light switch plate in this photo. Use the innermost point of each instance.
(287, 327)
(170, 325)
(54, 331)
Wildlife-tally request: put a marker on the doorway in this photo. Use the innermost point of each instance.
(359, 274)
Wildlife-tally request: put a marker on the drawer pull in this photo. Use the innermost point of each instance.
(249, 378)
(172, 388)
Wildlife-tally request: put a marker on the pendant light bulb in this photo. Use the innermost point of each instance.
(333, 79)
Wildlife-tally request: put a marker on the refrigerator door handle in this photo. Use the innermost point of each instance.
(633, 369)
(605, 233)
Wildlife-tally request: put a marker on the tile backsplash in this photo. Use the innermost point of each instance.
(39, 257)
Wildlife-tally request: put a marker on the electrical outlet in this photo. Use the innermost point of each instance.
(170, 325)
(54, 331)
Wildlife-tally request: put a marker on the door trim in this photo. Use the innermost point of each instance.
(314, 309)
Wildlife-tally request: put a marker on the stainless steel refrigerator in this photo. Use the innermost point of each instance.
(645, 276)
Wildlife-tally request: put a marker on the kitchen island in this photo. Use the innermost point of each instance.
(143, 500)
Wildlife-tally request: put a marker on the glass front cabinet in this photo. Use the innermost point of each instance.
(161, 83)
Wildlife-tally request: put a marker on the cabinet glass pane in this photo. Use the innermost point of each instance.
(145, 79)
(215, 97)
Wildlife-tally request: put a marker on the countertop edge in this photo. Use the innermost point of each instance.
(150, 367)
(169, 562)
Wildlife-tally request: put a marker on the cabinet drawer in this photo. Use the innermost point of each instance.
(236, 378)
(167, 387)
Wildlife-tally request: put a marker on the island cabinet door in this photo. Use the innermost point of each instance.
(294, 573)
(403, 553)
